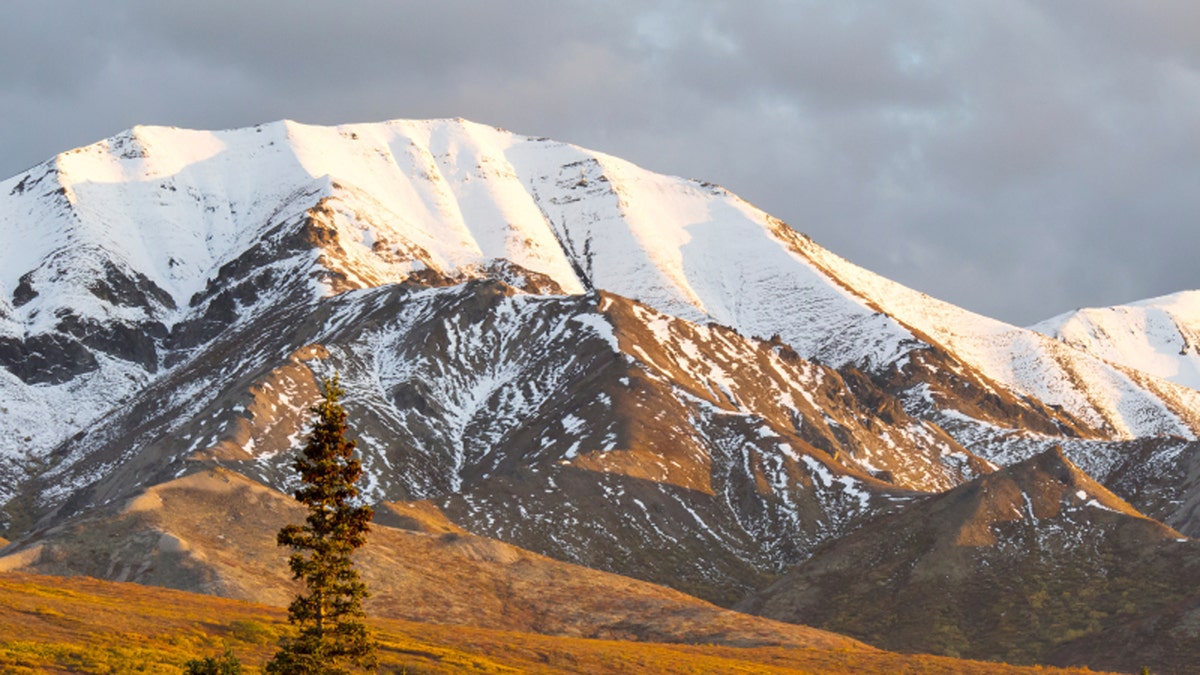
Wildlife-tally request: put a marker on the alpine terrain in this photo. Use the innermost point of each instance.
(590, 400)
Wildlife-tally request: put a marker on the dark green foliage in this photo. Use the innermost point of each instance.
(226, 665)
(329, 616)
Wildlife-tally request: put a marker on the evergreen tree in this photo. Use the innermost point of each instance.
(332, 634)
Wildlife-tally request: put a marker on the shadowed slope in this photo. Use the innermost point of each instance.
(1009, 566)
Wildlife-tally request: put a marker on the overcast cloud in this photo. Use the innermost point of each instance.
(1018, 158)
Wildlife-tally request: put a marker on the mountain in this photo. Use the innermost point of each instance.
(1013, 566)
(360, 240)
(128, 237)
(545, 345)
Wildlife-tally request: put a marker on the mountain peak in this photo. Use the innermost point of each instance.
(1047, 486)
(1159, 336)
(1051, 466)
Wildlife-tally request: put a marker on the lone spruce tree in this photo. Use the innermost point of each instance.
(332, 635)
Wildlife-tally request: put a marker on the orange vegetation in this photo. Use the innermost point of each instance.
(75, 624)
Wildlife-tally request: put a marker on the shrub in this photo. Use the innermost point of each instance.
(226, 665)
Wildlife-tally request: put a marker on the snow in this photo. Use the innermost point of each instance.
(850, 486)
(174, 209)
(1029, 508)
(1022, 360)
(175, 205)
(572, 424)
(600, 327)
(1097, 505)
(1159, 336)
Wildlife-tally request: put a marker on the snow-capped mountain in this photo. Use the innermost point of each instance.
(1160, 336)
(549, 345)
(129, 232)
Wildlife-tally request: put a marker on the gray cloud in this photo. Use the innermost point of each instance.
(1018, 158)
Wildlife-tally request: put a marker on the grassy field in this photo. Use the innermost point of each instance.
(82, 625)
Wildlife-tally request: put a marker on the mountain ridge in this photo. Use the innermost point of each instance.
(538, 210)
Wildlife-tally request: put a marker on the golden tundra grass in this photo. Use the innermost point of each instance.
(82, 625)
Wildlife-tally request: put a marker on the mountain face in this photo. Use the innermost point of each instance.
(549, 346)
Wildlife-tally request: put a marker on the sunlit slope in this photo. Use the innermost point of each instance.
(214, 532)
(1160, 336)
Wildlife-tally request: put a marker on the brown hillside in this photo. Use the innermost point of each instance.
(70, 625)
(1011, 566)
(214, 532)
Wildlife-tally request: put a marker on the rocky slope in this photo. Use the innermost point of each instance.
(521, 414)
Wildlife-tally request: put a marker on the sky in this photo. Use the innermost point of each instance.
(1018, 158)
